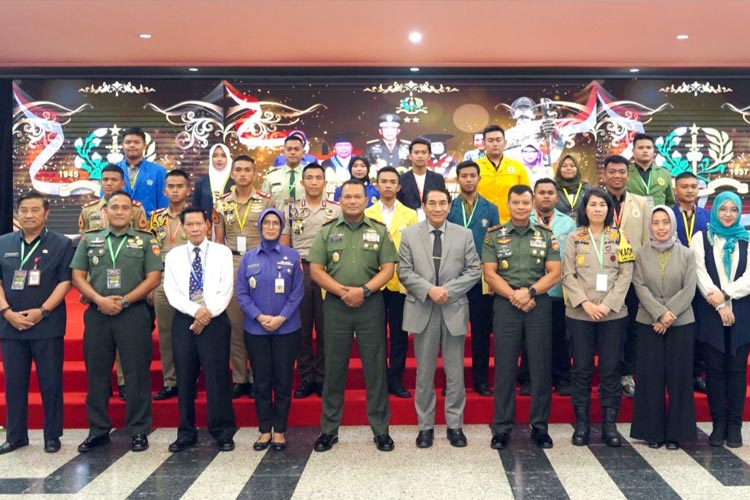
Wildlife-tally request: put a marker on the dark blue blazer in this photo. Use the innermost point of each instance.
(409, 194)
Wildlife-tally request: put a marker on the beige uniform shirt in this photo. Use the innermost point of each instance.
(94, 216)
(168, 230)
(304, 223)
(241, 219)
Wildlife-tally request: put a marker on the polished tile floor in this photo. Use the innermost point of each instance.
(354, 469)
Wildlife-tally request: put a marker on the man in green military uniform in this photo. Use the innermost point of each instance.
(305, 220)
(115, 269)
(646, 178)
(521, 263)
(352, 258)
(236, 219)
(166, 226)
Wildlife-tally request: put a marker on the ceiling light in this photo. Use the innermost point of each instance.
(682, 37)
(634, 70)
(193, 69)
(145, 36)
(414, 69)
(415, 37)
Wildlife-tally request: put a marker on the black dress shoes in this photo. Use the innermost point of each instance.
(541, 438)
(226, 444)
(673, 445)
(383, 442)
(278, 445)
(181, 444)
(139, 443)
(92, 442)
(7, 447)
(325, 442)
(240, 390)
(456, 438)
(399, 391)
(655, 445)
(699, 385)
(424, 438)
(166, 393)
(305, 389)
(718, 434)
(734, 436)
(500, 440)
(52, 446)
(483, 390)
(262, 445)
(121, 392)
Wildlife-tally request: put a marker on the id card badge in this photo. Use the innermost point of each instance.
(114, 279)
(19, 280)
(35, 277)
(242, 244)
(601, 282)
(279, 285)
(197, 297)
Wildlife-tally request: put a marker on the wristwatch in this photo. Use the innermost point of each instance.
(532, 292)
(125, 303)
(45, 312)
(4, 309)
(726, 295)
(366, 291)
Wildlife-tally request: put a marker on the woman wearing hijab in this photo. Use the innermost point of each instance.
(359, 168)
(216, 182)
(664, 280)
(723, 318)
(269, 290)
(570, 188)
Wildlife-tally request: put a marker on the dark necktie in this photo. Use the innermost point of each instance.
(437, 251)
(292, 185)
(196, 275)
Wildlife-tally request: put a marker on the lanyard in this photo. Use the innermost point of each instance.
(600, 249)
(689, 226)
(113, 254)
(463, 212)
(24, 257)
(241, 221)
(646, 184)
(575, 198)
(172, 236)
(203, 265)
(618, 214)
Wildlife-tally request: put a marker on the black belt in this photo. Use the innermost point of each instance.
(235, 252)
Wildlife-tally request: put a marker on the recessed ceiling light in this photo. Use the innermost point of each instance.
(634, 70)
(414, 69)
(682, 37)
(415, 37)
(193, 69)
(145, 36)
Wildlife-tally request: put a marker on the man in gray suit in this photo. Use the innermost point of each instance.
(438, 264)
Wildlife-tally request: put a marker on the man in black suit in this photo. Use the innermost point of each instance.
(419, 179)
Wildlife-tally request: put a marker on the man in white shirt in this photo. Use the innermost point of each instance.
(198, 282)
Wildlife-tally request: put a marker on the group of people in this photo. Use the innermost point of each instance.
(242, 278)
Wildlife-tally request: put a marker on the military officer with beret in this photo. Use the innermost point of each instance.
(115, 269)
(389, 149)
(236, 224)
(521, 263)
(352, 258)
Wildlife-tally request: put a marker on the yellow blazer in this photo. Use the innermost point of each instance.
(402, 217)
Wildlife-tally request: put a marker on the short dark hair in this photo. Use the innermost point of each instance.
(33, 195)
(420, 140)
(615, 159)
(583, 219)
(643, 137)
(295, 137)
(243, 158)
(178, 172)
(492, 128)
(313, 166)
(355, 182)
(388, 169)
(121, 192)
(520, 189)
(135, 131)
(192, 210)
(686, 175)
(111, 167)
(466, 164)
(438, 190)
(545, 180)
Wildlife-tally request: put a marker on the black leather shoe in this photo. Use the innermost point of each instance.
(424, 438)
(399, 391)
(483, 390)
(734, 436)
(718, 435)
(92, 442)
(541, 438)
(673, 445)
(262, 445)
(52, 446)
(655, 445)
(525, 389)
(699, 385)
(325, 442)
(500, 440)
(278, 445)
(383, 442)
(226, 444)
(563, 388)
(305, 389)
(181, 444)
(7, 447)
(139, 443)
(456, 438)
(166, 393)
(240, 390)
(121, 392)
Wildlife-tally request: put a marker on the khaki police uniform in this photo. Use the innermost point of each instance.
(278, 184)
(352, 254)
(129, 331)
(521, 254)
(169, 233)
(303, 224)
(240, 220)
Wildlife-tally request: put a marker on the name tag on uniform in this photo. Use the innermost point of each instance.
(114, 279)
(35, 277)
(279, 285)
(601, 282)
(242, 244)
(19, 280)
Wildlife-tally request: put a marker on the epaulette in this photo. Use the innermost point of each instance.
(158, 210)
(373, 141)
(93, 230)
(137, 203)
(494, 228)
(91, 203)
(332, 220)
(225, 195)
(542, 226)
(262, 194)
(376, 221)
(332, 202)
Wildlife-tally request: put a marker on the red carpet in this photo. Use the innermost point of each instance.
(304, 411)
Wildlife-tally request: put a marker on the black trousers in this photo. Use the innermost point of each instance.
(310, 356)
(272, 359)
(514, 328)
(560, 347)
(631, 338)
(48, 358)
(586, 338)
(128, 333)
(209, 351)
(726, 382)
(664, 361)
(398, 338)
(480, 317)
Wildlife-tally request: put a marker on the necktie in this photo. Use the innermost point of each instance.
(292, 185)
(437, 251)
(196, 274)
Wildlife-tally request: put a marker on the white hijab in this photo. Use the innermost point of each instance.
(218, 178)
